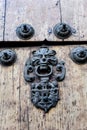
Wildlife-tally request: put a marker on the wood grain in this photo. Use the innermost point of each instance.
(2, 18)
(31, 12)
(18, 113)
(43, 15)
(74, 14)
(53, 17)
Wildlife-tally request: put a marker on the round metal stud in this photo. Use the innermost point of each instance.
(79, 55)
(7, 57)
(62, 30)
(25, 31)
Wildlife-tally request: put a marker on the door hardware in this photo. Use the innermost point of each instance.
(79, 55)
(7, 57)
(40, 72)
(63, 30)
(25, 31)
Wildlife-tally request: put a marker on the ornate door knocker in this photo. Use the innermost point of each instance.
(40, 72)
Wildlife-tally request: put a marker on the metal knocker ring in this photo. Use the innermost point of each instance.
(7, 57)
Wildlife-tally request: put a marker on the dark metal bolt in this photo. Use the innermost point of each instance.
(79, 55)
(64, 28)
(6, 56)
(25, 31)
(82, 54)
(24, 28)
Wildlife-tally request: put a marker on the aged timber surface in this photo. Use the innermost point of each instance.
(43, 15)
(16, 110)
(18, 113)
(2, 18)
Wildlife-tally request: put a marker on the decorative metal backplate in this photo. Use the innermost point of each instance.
(79, 55)
(43, 71)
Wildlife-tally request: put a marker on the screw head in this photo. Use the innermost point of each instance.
(7, 57)
(79, 55)
(62, 30)
(25, 31)
(82, 54)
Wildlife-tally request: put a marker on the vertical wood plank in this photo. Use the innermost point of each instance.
(2, 18)
(8, 101)
(70, 10)
(18, 113)
(43, 16)
(83, 20)
(30, 12)
(74, 14)
(53, 17)
(73, 93)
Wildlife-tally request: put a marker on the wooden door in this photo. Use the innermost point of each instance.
(18, 113)
(16, 110)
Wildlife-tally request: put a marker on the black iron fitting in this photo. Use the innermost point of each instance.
(7, 57)
(79, 55)
(44, 82)
(25, 31)
(62, 30)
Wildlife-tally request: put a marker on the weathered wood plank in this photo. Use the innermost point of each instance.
(70, 10)
(31, 12)
(74, 13)
(2, 18)
(43, 16)
(18, 113)
(53, 16)
(83, 20)
(9, 98)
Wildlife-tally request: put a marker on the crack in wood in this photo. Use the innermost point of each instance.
(5, 8)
